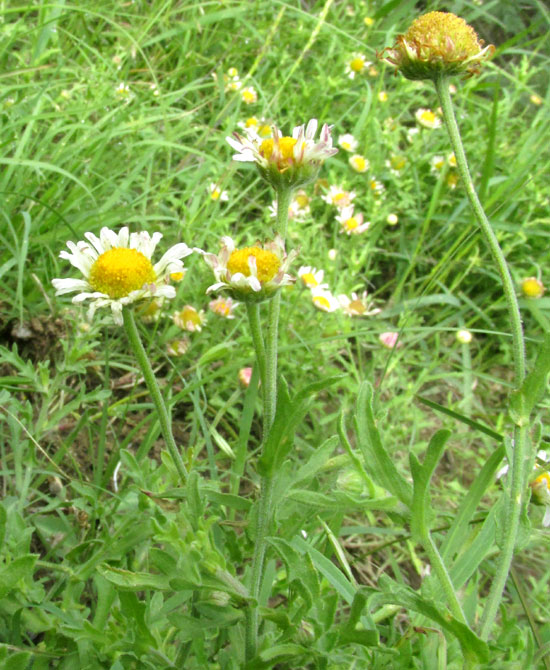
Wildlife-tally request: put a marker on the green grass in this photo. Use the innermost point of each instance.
(118, 566)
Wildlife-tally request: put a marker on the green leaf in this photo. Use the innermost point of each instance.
(301, 572)
(3, 523)
(133, 581)
(523, 401)
(422, 475)
(460, 417)
(18, 569)
(377, 462)
(398, 594)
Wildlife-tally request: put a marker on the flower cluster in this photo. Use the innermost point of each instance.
(286, 162)
(437, 44)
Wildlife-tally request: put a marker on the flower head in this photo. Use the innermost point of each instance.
(177, 347)
(436, 164)
(357, 305)
(359, 163)
(464, 336)
(392, 219)
(256, 127)
(351, 224)
(286, 161)
(324, 300)
(338, 197)
(245, 375)
(389, 340)
(252, 273)
(348, 142)
(427, 118)
(437, 43)
(249, 95)
(118, 271)
(216, 193)
(189, 319)
(532, 287)
(357, 64)
(311, 277)
(223, 307)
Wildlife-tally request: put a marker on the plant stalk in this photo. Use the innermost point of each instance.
(151, 382)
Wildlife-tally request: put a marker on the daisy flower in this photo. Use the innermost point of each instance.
(150, 312)
(223, 307)
(311, 277)
(350, 224)
(540, 491)
(532, 287)
(177, 347)
(216, 193)
(255, 127)
(324, 300)
(251, 273)
(389, 339)
(189, 319)
(396, 164)
(123, 90)
(118, 271)
(382, 96)
(286, 161)
(436, 164)
(357, 305)
(377, 187)
(536, 99)
(427, 118)
(464, 336)
(359, 163)
(338, 197)
(348, 142)
(249, 95)
(357, 64)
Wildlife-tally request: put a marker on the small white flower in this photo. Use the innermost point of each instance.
(357, 305)
(359, 163)
(377, 187)
(436, 164)
(324, 300)
(351, 224)
(118, 271)
(338, 197)
(464, 336)
(382, 96)
(223, 307)
(249, 95)
(348, 142)
(451, 159)
(357, 64)
(311, 277)
(123, 90)
(392, 219)
(427, 118)
(216, 193)
(189, 319)
(256, 128)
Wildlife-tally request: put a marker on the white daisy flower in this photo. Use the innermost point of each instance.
(377, 187)
(357, 64)
(348, 142)
(189, 319)
(382, 96)
(359, 163)
(451, 159)
(123, 90)
(251, 273)
(357, 305)
(338, 197)
(427, 118)
(216, 193)
(286, 161)
(324, 300)
(311, 277)
(350, 224)
(249, 95)
(255, 127)
(118, 271)
(392, 219)
(436, 164)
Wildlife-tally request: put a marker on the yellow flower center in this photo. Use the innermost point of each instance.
(532, 287)
(438, 164)
(286, 148)
(309, 279)
(357, 64)
(338, 197)
(452, 160)
(357, 306)
(445, 34)
(120, 271)
(346, 146)
(267, 263)
(264, 131)
(222, 308)
(398, 162)
(351, 224)
(302, 200)
(428, 116)
(249, 96)
(252, 121)
(359, 163)
(190, 315)
(321, 302)
(215, 194)
(543, 479)
(177, 276)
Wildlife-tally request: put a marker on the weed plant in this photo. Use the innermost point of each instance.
(116, 114)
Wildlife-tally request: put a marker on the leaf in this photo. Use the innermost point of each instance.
(460, 417)
(523, 401)
(3, 523)
(377, 462)
(301, 572)
(18, 569)
(398, 594)
(133, 581)
(422, 475)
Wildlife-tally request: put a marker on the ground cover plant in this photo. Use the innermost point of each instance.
(334, 458)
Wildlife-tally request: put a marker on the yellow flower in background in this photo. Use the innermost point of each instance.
(324, 300)
(249, 95)
(347, 142)
(392, 219)
(464, 336)
(359, 163)
(427, 118)
(189, 319)
(436, 44)
(118, 270)
(338, 197)
(382, 96)
(452, 180)
(223, 307)
(216, 193)
(312, 278)
(357, 64)
(368, 21)
(536, 99)
(532, 287)
(350, 223)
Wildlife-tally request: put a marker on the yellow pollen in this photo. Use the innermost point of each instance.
(286, 148)
(452, 180)
(337, 197)
(120, 271)
(543, 479)
(346, 146)
(249, 96)
(357, 64)
(190, 314)
(532, 287)
(309, 280)
(267, 263)
(359, 163)
(351, 224)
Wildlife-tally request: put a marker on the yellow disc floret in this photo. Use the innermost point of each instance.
(351, 223)
(120, 271)
(444, 34)
(267, 263)
(357, 64)
(286, 148)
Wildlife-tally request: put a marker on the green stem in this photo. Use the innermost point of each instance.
(253, 313)
(265, 502)
(515, 494)
(149, 376)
